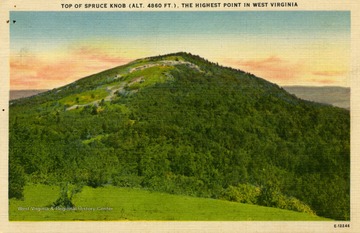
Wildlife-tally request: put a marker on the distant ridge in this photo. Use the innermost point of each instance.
(18, 94)
(333, 95)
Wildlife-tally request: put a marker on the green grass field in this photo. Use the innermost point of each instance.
(85, 97)
(113, 203)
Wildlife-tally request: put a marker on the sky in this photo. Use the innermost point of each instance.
(52, 49)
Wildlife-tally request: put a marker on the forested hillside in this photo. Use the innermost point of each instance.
(180, 124)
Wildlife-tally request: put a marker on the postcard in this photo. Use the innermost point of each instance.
(179, 116)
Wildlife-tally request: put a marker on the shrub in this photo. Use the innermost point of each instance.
(244, 193)
(295, 204)
(129, 181)
(249, 194)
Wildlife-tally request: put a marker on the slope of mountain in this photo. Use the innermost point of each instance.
(336, 96)
(180, 124)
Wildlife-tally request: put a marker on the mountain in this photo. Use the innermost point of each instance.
(336, 96)
(180, 124)
(18, 94)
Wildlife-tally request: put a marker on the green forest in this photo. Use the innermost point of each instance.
(180, 124)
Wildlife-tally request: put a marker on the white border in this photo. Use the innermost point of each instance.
(211, 226)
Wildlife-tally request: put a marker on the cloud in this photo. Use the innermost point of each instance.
(272, 68)
(329, 73)
(98, 54)
(324, 81)
(50, 71)
(33, 73)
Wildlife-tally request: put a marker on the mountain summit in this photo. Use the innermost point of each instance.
(181, 124)
(142, 73)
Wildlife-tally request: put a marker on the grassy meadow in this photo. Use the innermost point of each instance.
(113, 203)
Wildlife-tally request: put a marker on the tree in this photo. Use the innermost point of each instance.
(67, 192)
(16, 180)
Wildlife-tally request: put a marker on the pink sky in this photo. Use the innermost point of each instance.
(46, 71)
(32, 72)
(287, 48)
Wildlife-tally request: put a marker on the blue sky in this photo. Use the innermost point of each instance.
(70, 25)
